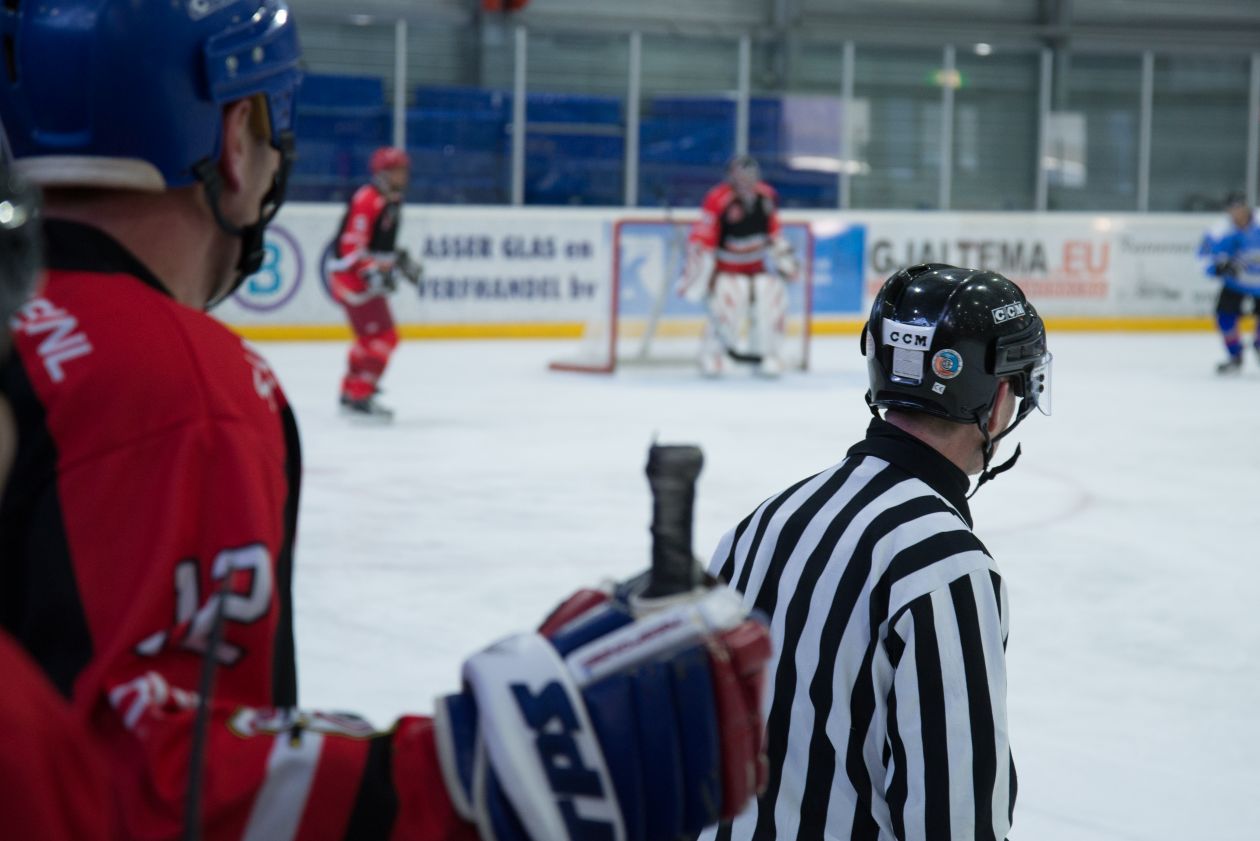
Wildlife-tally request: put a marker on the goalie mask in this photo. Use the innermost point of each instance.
(941, 337)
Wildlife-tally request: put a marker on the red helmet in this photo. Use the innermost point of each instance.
(389, 157)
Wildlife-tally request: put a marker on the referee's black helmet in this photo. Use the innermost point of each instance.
(940, 337)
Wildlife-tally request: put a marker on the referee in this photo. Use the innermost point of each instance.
(887, 700)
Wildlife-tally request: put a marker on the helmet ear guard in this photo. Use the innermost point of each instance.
(1024, 358)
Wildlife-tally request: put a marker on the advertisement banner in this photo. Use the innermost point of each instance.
(1068, 264)
(543, 271)
(480, 265)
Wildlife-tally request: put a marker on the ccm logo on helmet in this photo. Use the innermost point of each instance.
(898, 337)
(1007, 312)
(909, 336)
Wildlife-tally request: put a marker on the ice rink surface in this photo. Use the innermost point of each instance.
(1127, 535)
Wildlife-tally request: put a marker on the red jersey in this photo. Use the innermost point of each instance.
(739, 233)
(154, 495)
(366, 239)
(55, 786)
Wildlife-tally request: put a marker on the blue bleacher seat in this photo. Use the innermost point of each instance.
(323, 89)
(460, 142)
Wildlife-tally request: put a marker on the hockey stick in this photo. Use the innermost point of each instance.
(201, 724)
(662, 296)
(671, 473)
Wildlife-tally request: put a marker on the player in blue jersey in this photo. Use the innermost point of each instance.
(1232, 253)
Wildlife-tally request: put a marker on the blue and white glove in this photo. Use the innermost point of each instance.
(619, 721)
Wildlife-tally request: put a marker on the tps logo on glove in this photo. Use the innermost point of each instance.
(551, 716)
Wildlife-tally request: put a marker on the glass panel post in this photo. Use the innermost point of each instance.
(743, 94)
(633, 95)
(1144, 138)
(948, 83)
(518, 117)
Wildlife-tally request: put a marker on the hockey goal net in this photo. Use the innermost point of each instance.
(637, 317)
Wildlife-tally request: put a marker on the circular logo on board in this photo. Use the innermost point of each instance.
(947, 364)
(273, 285)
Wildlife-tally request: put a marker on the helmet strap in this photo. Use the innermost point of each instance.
(990, 442)
(253, 235)
(989, 473)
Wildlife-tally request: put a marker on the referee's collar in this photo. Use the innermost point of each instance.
(900, 448)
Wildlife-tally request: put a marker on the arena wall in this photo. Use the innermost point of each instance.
(496, 272)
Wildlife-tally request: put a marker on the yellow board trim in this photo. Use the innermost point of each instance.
(341, 332)
(851, 326)
(828, 326)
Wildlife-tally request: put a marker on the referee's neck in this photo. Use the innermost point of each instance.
(958, 442)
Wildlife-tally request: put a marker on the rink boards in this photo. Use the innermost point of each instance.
(496, 272)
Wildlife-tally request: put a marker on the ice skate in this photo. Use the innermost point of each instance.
(712, 364)
(770, 367)
(366, 410)
(1233, 365)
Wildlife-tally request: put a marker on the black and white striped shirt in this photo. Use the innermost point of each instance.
(887, 697)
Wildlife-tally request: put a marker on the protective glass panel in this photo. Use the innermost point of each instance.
(575, 119)
(897, 153)
(1198, 131)
(1098, 115)
(687, 117)
(995, 129)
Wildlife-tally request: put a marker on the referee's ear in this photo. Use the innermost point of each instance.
(1003, 406)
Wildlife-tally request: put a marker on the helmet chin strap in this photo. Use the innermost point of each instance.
(990, 442)
(253, 235)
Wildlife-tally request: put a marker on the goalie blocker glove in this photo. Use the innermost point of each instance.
(618, 721)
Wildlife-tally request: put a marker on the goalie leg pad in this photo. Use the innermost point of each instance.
(728, 312)
(769, 314)
(728, 306)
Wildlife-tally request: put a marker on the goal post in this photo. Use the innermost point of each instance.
(637, 317)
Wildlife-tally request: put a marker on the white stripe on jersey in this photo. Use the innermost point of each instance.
(278, 808)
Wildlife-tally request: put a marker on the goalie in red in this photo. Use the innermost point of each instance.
(363, 271)
(738, 264)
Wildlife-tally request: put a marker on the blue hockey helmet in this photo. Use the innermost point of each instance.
(125, 94)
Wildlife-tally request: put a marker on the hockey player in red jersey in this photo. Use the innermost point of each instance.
(147, 529)
(737, 264)
(366, 258)
(55, 785)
